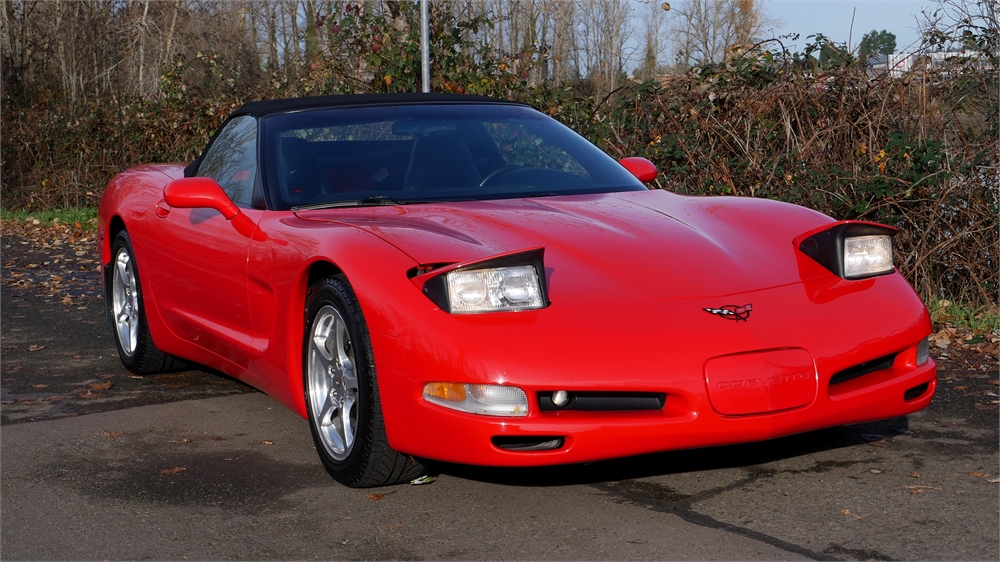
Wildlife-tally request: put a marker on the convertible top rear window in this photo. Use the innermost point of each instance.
(417, 153)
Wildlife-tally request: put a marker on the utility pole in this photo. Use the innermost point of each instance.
(425, 54)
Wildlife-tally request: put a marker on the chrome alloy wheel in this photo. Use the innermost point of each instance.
(333, 383)
(125, 303)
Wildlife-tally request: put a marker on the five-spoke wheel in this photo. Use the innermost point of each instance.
(124, 299)
(333, 382)
(341, 392)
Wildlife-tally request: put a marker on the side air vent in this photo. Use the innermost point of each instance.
(915, 392)
(528, 443)
(862, 369)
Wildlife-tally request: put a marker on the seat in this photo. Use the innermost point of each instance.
(303, 178)
(441, 161)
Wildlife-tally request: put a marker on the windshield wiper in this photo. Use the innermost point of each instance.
(370, 201)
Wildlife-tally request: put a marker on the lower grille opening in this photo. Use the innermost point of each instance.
(915, 392)
(528, 442)
(604, 401)
(862, 369)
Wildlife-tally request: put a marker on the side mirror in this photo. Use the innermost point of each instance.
(642, 169)
(199, 193)
(206, 193)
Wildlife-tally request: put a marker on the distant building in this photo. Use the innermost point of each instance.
(897, 64)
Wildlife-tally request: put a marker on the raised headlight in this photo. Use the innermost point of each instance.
(850, 249)
(505, 283)
(865, 256)
(489, 290)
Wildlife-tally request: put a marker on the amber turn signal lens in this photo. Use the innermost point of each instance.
(450, 391)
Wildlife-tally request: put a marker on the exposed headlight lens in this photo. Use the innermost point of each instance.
(495, 289)
(923, 352)
(867, 255)
(485, 399)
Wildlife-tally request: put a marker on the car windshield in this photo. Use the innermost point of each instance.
(424, 153)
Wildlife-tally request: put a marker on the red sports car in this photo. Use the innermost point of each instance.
(465, 279)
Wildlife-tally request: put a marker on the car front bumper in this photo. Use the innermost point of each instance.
(663, 347)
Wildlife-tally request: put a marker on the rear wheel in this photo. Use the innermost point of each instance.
(135, 345)
(341, 392)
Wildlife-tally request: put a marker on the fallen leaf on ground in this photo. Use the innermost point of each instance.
(848, 512)
(265, 442)
(173, 470)
(914, 475)
(948, 425)
(218, 439)
(180, 441)
(978, 474)
(39, 386)
(101, 385)
(994, 481)
(920, 489)
(374, 497)
(113, 434)
(36, 347)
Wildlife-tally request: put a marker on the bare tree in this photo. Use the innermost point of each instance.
(605, 28)
(654, 19)
(710, 31)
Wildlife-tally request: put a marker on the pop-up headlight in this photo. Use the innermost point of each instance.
(865, 256)
(851, 249)
(506, 283)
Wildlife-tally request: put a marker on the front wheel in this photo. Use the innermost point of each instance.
(132, 338)
(341, 392)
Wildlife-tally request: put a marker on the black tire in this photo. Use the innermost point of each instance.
(128, 314)
(341, 392)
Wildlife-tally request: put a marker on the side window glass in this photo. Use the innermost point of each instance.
(232, 159)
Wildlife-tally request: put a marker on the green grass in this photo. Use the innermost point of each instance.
(976, 318)
(86, 216)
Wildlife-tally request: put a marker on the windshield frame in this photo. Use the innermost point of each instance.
(605, 174)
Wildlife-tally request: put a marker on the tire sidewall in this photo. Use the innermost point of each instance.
(336, 292)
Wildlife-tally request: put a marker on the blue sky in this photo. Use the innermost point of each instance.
(833, 19)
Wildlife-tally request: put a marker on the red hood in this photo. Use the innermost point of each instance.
(622, 245)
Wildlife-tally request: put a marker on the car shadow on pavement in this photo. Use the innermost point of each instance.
(683, 461)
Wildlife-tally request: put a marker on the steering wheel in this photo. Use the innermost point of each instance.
(499, 172)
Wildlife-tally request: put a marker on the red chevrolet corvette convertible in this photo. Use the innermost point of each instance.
(465, 279)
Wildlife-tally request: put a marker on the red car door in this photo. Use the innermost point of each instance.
(197, 275)
(198, 261)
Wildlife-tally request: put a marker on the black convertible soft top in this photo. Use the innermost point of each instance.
(270, 107)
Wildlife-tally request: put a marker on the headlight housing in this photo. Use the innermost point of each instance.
(506, 283)
(865, 256)
(851, 249)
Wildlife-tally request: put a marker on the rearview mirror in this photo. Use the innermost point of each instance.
(642, 169)
(206, 193)
(199, 193)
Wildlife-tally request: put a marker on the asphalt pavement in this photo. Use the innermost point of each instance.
(194, 465)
